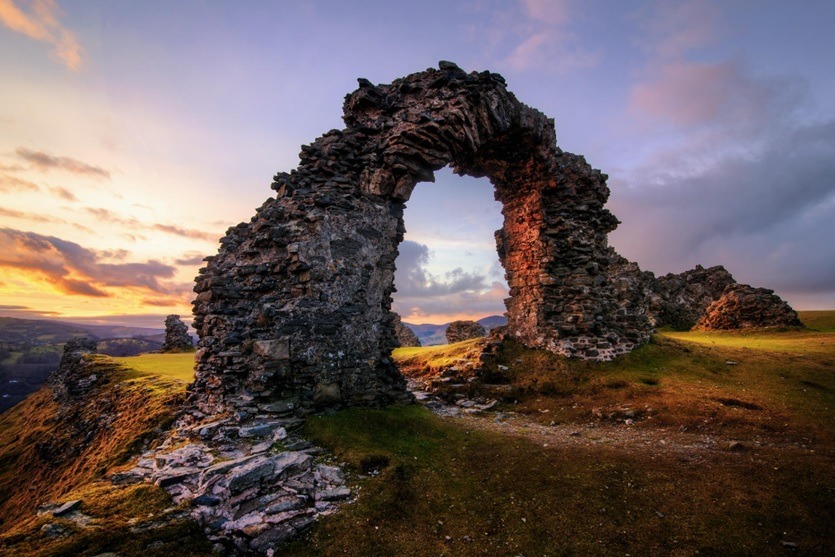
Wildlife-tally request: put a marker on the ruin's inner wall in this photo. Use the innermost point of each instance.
(294, 310)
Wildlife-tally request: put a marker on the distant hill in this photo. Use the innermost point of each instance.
(30, 350)
(430, 334)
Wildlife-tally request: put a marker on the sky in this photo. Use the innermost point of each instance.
(134, 133)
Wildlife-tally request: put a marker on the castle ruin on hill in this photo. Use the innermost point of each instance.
(294, 312)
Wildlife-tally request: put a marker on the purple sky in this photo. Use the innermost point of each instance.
(132, 134)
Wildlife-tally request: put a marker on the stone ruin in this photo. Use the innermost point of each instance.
(294, 311)
(73, 377)
(177, 338)
(464, 330)
(405, 336)
(297, 302)
(743, 307)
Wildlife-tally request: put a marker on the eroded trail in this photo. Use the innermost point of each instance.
(636, 437)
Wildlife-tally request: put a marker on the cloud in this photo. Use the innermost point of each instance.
(45, 162)
(63, 193)
(538, 36)
(75, 270)
(134, 224)
(24, 312)
(191, 258)
(420, 293)
(552, 12)
(10, 184)
(740, 170)
(670, 30)
(41, 23)
(768, 216)
(185, 232)
(32, 217)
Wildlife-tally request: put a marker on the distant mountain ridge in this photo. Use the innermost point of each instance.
(431, 334)
(15, 329)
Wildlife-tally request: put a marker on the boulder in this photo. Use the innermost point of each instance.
(405, 336)
(464, 330)
(742, 306)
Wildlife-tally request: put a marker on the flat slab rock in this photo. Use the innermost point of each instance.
(256, 501)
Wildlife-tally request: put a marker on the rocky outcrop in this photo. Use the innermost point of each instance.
(75, 375)
(405, 336)
(464, 330)
(742, 307)
(177, 338)
(680, 300)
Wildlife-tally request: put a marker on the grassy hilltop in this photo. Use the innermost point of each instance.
(708, 443)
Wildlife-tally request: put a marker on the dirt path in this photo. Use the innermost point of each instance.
(634, 437)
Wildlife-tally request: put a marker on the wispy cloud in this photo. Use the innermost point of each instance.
(46, 162)
(63, 193)
(76, 270)
(134, 224)
(27, 216)
(24, 312)
(540, 38)
(40, 22)
(10, 184)
(191, 258)
(185, 232)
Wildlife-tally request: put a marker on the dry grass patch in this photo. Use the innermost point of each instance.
(47, 452)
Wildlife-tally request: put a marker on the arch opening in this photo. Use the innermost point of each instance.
(447, 266)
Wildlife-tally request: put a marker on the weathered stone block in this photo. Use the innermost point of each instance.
(278, 349)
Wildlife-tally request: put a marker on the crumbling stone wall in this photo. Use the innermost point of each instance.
(73, 378)
(464, 330)
(177, 338)
(405, 336)
(294, 311)
(742, 307)
(680, 300)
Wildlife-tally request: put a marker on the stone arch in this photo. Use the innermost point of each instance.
(293, 313)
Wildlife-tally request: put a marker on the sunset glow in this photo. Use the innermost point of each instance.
(130, 140)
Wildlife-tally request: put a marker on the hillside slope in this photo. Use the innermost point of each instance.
(710, 444)
(54, 451)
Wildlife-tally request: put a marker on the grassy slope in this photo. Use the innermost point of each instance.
(446, 490)
(43, 458)
(823, 321)
(179, 366)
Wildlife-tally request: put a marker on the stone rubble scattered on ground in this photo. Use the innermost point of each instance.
(244, 483)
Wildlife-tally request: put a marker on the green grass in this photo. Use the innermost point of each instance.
(823, 321)
(434, 357)
(178, 366)
(795, 341)
(449, 491)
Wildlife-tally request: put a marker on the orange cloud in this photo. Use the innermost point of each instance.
(33, 217)
(45, 162)
(63, 193)
(75, 270)
(11, 183)
(41, 23)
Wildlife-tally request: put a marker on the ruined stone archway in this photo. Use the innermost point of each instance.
(294, 310)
